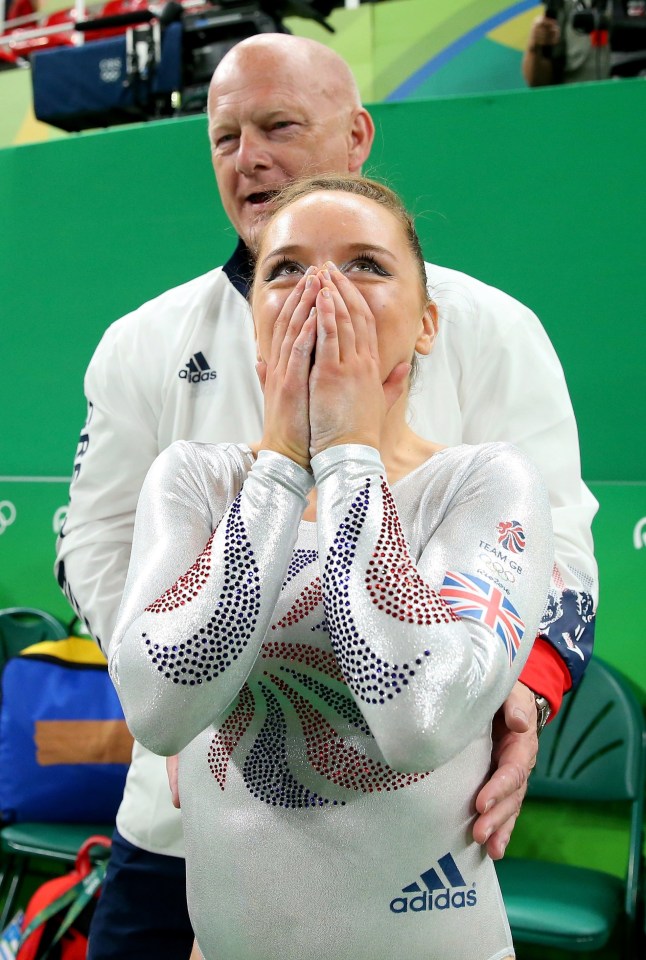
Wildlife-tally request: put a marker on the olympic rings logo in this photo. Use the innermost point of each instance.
(7, 515)
(639, 534)
(497, 568)
(58, 519)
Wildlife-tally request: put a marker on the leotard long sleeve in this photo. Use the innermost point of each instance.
(191, 646)
(392, 622)
(332, 685)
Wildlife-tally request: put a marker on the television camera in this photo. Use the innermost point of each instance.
(623, 20)
(160, 63)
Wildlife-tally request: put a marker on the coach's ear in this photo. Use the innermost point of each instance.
(362, 135)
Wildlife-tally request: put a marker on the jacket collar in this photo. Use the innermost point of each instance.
(239, 268)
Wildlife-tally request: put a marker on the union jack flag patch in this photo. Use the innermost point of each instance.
(476, 598)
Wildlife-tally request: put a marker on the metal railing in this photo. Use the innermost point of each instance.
(11, 32)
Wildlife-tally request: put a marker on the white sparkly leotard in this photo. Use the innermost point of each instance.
(330, 686)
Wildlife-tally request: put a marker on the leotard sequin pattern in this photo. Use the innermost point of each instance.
(215, 646)
(331, 766)
(394, 586)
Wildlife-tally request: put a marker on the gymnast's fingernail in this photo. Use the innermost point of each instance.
(488, 805)
(308, 282)
(331, 265)
(325, 292)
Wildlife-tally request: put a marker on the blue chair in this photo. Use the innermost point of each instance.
(592, 753)
(24, 845)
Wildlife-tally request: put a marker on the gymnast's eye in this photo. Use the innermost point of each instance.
(365, 263)
(284, 268)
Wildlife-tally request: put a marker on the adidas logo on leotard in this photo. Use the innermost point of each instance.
(442, 889)
(197, 370)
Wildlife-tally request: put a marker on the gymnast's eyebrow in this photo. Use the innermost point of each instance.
(290, 249)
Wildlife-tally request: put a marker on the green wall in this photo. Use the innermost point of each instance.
(538, 192)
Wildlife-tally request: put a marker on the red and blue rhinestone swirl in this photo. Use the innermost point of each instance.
(215, 646)
(305, 763)
(395, 587)
(295, 736)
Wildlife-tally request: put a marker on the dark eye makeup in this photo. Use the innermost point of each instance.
(284, 267)
(362, 263)
(367, 260)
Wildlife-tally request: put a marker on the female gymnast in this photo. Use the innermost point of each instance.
(315, 623)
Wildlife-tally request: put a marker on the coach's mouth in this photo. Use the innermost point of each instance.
(261, 200)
